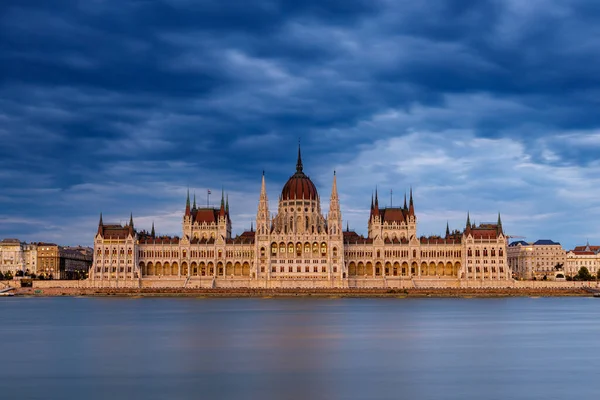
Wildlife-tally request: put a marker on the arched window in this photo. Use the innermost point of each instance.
(477, 253)
(470, 252)
(262, 251)
(335, 251)
(282, 247)
(290, 248)
(500, 252)
(298, 249)
(493, 252)
(307, 247)
(323, 248)
(485, 252)
(315, 248)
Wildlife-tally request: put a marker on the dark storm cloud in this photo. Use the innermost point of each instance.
(150, 97)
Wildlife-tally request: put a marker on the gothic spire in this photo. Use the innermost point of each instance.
(334, 191)
(299, 162)
(405, 206)
(468, 227)
(152, 233)
(411, 205)
(499, 224)
(447, 229)
(187, 203)
(131, 220)
(100, 225)
(227, 204)
(194, 206)
(222, 209)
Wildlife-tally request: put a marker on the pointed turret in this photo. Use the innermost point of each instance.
(411, 205)
(376, 205)
(447, 229)
(334, 192)
(335, 214)
(347, 226)
(100, 225)
(251, 226)
(499, 225)
(131, 220)
(468, 226)
(262, 214)
(405, 206)
(227, 204)
(194, 205)
(152, 233)
(299, 167)
(222, 209)
(187, 203)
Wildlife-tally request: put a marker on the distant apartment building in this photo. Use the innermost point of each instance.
(11, 256)
(544, 259)
(583, 256)
(48, 260)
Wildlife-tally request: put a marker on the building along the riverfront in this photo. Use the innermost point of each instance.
(298, 246)
(543, 259)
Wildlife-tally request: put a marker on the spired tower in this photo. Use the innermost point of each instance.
(299, 243)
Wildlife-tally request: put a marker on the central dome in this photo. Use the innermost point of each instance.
(299, 186)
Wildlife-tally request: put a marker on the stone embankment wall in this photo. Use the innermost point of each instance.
(358, 283)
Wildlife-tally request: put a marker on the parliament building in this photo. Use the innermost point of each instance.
(298, 247)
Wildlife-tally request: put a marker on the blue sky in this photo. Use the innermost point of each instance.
(120, 106)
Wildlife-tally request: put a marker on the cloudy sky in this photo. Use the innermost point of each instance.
(118, 106)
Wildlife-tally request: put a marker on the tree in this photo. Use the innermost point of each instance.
(584, 274)
(8, 275)
(19, 273)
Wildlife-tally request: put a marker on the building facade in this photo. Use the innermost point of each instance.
(298, 246)
(541, 260)
(583, 256)
(11, 256)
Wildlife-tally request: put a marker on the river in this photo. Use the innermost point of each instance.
(169, 348)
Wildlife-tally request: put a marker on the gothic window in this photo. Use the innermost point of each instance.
(290, 248)
(470, 252)
(315, 248)
(298, 249)
(493, 252)
(414, 254)
(262, 251)
(307, 247)
(335, 251)
(477, 253)
(323, 248)
(500, 252)
(485, 252)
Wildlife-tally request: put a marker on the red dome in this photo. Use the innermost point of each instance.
(299, 186)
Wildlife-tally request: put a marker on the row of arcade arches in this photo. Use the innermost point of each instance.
(195, 269)
(403, 269)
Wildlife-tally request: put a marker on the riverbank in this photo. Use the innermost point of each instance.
(262, 293)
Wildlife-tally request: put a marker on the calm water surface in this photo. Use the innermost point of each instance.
(95, 348)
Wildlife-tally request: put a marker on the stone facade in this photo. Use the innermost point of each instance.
(583, 256)
(298, 246)
(544, 259)
(11, 256)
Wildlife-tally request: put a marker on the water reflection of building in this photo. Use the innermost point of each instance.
(299, 246)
